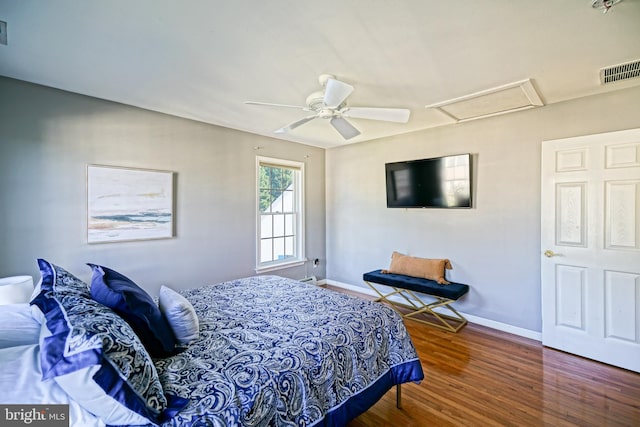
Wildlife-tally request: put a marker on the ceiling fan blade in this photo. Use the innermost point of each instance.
(270, 104)
(336, 92)
(296, 124)
(398, 115)
(344, 128)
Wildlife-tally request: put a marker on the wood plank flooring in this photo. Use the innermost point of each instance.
(484, 377)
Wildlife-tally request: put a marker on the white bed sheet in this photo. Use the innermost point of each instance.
(21, 383)
(17, 325)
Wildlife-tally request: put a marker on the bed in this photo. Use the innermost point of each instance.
(269, 351)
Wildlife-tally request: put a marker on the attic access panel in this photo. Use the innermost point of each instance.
(492, 102)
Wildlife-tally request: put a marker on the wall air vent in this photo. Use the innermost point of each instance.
(491, 102)
(619, 72)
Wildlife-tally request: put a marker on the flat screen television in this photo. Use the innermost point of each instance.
(440, 182)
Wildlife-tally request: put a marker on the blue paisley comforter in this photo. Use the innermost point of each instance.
(277, 352)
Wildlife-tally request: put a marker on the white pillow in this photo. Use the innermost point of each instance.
(180, 314)
(17, 326)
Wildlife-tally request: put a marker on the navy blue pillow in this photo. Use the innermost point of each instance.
(136, 307)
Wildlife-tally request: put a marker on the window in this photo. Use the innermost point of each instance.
(280, 241)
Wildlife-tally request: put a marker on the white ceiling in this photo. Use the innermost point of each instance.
(201, 59)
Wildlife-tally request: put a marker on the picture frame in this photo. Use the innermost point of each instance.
(127, 204)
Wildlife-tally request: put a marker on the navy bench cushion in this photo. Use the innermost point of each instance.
(451, 291)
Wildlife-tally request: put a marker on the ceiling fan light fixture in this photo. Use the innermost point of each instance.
(330, 104)
(604, 4)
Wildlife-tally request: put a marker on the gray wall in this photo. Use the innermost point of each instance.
(47, 137)
(494, 247)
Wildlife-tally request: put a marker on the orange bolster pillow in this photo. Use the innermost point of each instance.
(432, 269)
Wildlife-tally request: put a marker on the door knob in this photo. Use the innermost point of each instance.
(549, 253)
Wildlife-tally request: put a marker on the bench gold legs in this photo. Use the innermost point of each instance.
(422, 312)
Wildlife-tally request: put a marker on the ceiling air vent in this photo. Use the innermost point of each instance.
(620, 72)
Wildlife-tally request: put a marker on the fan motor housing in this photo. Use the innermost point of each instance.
(315, 101)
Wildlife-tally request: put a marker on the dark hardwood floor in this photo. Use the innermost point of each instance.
(484, 377)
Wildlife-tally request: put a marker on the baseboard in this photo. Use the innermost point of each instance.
(504, 327)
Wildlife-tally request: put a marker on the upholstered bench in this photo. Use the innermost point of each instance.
(405, 286)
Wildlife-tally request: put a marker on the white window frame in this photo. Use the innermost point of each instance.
(299, 258)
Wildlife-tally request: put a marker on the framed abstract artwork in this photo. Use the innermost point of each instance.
(128, 204)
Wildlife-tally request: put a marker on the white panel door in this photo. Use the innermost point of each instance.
(591, 247)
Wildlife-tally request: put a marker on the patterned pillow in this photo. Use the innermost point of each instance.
(95, 356)
(134, 305)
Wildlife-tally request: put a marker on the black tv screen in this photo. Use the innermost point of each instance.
(441, 182)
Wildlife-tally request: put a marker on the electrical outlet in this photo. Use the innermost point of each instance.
(3, 33)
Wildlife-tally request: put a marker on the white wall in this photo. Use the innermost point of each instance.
(47, 137)
(494, 247)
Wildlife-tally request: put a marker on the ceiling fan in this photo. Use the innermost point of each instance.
(604, 4)
(330, 104)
